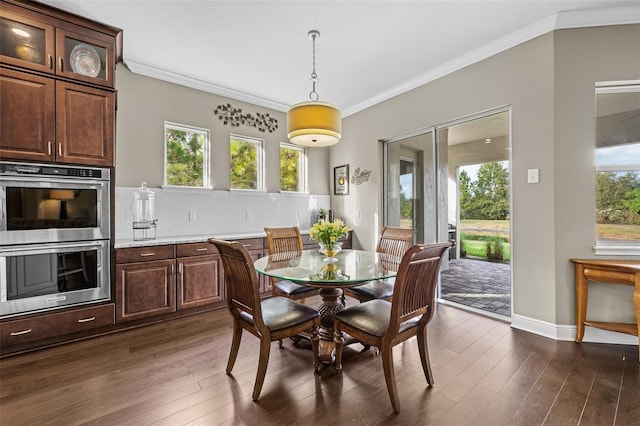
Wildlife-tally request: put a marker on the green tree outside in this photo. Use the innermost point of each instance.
(244, 164)
(289, 169)
(185, 158)
(487, 198)
(618, 198)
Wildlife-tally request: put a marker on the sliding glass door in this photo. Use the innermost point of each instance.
(410, 184)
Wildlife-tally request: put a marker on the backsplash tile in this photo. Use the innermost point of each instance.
(218, 211)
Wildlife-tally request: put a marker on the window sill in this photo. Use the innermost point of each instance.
(617, 250)
(170, 188)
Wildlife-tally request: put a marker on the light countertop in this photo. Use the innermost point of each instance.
(181, 239)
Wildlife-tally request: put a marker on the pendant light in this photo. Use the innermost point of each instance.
(314, 124)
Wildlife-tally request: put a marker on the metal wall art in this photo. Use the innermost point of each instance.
(360, 176)
(234, 117)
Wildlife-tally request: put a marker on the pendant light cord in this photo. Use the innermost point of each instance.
(313, 34)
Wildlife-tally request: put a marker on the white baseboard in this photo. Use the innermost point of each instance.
(568, 332)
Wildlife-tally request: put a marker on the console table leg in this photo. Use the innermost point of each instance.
(581, 301)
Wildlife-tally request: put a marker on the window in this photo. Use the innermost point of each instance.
(246, 163)
(292, 168)
(186, 159)
(618, 168)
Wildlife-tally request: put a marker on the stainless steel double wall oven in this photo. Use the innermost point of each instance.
(54, 236)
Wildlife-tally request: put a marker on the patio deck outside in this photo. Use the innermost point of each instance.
(478, 284)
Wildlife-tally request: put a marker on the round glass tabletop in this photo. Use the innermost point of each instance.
(313, 267)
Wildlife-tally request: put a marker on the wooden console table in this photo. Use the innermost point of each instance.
(625, 272)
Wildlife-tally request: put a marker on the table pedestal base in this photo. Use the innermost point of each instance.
(328, 307)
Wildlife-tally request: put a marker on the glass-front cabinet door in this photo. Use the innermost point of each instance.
(29, 40)
(86, 56)
(26, 42)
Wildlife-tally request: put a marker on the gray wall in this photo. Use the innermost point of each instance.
(549, 84)
(583, 57)
(145, 103)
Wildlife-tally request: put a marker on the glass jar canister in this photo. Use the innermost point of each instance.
(144, 206)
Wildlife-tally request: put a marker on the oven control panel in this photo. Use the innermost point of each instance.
(25, 169)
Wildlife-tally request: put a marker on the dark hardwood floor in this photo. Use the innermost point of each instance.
(173, 374)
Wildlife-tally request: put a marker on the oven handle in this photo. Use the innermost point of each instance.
(47, 179)
(3, 213)
(51, 248)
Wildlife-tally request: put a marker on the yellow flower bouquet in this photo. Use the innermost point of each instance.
(328, 233)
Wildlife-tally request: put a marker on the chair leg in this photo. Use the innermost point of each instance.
(423, 347)
(265, 348)
(339, 340)
(389, 376)
(315, 347)
(235, 346)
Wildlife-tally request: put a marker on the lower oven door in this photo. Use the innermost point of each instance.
(40, 277)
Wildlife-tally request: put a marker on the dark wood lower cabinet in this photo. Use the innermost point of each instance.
(200, 275)
(145, 289)
(157, 280)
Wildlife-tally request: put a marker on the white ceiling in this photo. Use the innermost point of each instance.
(368, 51)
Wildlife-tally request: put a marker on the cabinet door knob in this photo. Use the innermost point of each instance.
(49, 148)
(60, 149)
(60, 64)
(18, 333)
(50, 61)
(86, 319)
(202, 249)
(147, 254)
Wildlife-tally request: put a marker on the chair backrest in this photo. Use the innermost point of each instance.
(240, 280)
(394, 241)
(414, 291)
(282, 240)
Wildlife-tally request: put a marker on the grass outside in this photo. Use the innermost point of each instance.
(618, 232)
(477, 248)
(474, 233)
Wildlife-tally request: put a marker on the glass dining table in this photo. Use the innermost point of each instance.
(312, 268)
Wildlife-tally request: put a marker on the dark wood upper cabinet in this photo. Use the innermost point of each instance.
(57, 78)
(25, 40)
(84, 124)
(85, 55)
(39, 40)
(27, 116)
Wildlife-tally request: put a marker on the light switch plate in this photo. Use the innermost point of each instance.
(533, 175)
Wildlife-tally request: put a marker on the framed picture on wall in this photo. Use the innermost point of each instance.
(341, 180)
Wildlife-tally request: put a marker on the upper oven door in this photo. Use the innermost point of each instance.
(37, 209)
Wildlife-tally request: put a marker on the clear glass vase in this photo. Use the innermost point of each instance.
(330, 250)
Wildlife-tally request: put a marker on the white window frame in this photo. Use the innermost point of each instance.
(617, 248)
(259, 160)
(302, 167)
(206, 172)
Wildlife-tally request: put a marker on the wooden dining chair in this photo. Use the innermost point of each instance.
(384, 324)
(287, 240)
(392, 242)
(270, 319)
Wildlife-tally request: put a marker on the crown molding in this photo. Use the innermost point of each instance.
(157, 73)
(562, 20)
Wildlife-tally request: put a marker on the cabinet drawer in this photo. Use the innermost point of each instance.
(252, 243)
(143, 254)
(195, 249)
(51, 325)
